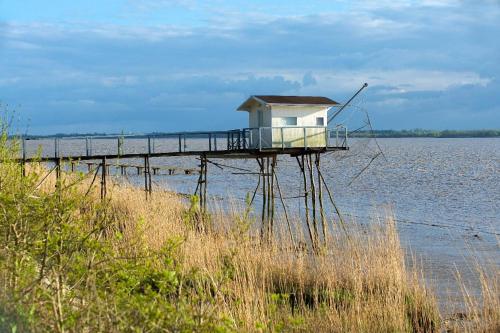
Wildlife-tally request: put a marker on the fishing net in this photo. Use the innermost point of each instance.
(364, 148)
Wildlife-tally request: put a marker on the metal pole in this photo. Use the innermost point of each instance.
(103, 178)
(244, 139)
(305, 138)
(56, 147)
(260, 138)
(209, 141)
(180, 144)
(282, 140)
(23, 165)
(349, 101)
(24, 148)
(345, 133)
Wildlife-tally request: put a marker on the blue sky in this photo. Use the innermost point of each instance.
(167, 65)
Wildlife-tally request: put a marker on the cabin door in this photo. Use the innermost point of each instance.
(260, 120)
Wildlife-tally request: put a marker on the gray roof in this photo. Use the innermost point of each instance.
(287, 100)
(309, 100)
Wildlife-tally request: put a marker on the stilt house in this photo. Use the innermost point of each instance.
(288, 121)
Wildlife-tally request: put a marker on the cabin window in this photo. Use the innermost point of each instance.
(286, 121)
(320, 121)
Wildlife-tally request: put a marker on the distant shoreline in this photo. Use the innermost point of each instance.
(419, 133)
(413, 133)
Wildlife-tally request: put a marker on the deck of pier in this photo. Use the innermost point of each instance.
(237, 144)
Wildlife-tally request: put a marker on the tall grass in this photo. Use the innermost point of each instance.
(71, 262)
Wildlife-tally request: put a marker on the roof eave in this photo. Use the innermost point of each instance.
(244, 107)
(294, 104)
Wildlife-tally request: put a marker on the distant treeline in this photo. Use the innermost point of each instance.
(422, 133)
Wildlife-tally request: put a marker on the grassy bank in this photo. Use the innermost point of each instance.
(70, 262)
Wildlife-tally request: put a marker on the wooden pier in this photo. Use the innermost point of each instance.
(101, 153)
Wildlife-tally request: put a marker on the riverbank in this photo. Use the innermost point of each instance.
(73, 263)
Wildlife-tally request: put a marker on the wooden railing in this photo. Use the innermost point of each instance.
(263, 138)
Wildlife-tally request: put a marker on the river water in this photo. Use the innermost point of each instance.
(444, 194)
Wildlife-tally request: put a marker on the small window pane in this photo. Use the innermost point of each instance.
(287, 121)
(320, 121)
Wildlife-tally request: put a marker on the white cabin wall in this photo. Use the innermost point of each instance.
(306, 115)
(253, 118)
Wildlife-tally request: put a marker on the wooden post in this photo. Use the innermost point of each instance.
(264, 198)
(23, 163)
(120, 146)
(103, 179)
(56, 147)
(271, 176)
(312, 185)
(306, 200)
(88, 146)
(320, 198)
(206, 184)
(147, 177)
(58, 173)
(268, 193)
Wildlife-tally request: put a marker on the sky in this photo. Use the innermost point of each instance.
(138, 66)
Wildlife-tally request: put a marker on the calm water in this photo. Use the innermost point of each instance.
(444, 193)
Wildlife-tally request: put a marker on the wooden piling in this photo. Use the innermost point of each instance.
(271, 177)
(147, 177)
(312, 186)
(301, 163)
(320, 199)
(103, 179)
(264, 198)
(58, 174)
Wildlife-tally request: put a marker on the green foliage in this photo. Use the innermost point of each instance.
(194, 217)
(60, 268)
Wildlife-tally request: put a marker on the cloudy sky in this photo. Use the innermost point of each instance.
(168, 65)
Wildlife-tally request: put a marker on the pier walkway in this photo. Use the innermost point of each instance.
(240, 143)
